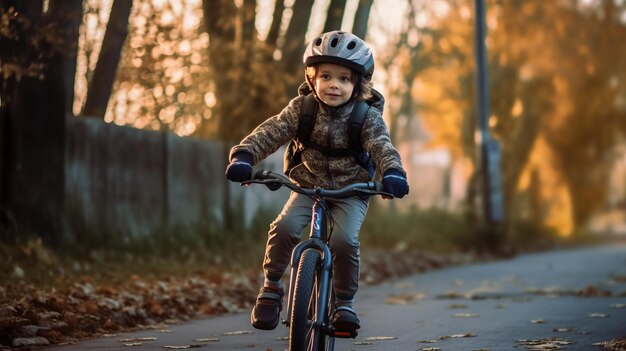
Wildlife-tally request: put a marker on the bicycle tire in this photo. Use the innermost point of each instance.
(302, 335)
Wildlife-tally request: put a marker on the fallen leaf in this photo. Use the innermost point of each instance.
(283, 338)
(614, 345)
(457, 336)
(378, 338)
(238, 332)
(132, 344)
(598, 315)
(181, 347)
(430, 349)
(545, 344)
(451, 295)
(405, 299)
(147, 338)
(466, 315)
(428, 341)
(206, 339)
(363, 343)
(592, 291)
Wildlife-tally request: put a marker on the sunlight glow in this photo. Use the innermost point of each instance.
(518, 108)
(541, 178)
(209, 99)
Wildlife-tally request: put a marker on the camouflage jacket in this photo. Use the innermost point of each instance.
(330, 130)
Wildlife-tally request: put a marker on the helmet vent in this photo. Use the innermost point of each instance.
(351, 45)
(318, 42)
(333, 42)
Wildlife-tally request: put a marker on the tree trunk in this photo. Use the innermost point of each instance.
(69, 15)
(334, 17)
(220, 22)
(104, 75)
(33, 114)
(219, 19)
(295, 44)
(249, 19)
(277, 17)
(359, 28)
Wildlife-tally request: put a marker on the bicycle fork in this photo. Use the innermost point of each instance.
(315, 241)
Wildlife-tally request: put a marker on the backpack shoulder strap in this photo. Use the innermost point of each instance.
(306, 121)
(355, 125)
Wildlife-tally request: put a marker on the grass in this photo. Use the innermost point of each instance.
(176, 251)
(188, 250)
(443, 232)
(429, 230)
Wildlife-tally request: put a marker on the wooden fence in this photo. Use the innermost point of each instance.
(126, 180)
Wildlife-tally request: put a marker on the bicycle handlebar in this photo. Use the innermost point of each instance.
(275, 180)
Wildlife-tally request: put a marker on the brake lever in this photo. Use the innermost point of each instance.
(271, 184)
(251, 181)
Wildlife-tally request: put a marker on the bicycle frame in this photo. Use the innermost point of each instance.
(323, 287)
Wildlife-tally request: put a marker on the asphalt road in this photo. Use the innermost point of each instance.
(568, 300)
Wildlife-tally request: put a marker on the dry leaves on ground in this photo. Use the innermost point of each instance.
(545, 344)
(613, 345)
(85, 310)
(30, 316)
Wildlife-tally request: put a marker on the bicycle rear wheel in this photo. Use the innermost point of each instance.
(303, 334)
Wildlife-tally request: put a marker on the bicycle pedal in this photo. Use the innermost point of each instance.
(345, 334)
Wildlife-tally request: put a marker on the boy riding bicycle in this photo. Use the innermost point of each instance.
(339, 67)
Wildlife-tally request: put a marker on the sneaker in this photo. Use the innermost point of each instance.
(345, 319)
(266, 311)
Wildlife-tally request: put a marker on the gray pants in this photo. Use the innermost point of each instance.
(285, 232)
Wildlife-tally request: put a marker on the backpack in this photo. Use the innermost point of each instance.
(306, 122)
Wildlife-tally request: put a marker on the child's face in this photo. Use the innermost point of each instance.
(333, 84)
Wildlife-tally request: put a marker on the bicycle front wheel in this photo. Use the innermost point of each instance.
(303, 334)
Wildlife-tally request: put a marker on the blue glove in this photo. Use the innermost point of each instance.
(395, 183)
(240, 167)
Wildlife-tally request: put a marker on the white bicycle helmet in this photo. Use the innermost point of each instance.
(341, 48)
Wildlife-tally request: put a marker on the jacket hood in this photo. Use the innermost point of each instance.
(378, 100)
(304, 89)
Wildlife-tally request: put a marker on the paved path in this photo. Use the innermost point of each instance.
(506, 305)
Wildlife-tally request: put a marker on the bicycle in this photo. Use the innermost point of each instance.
(311, 289)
